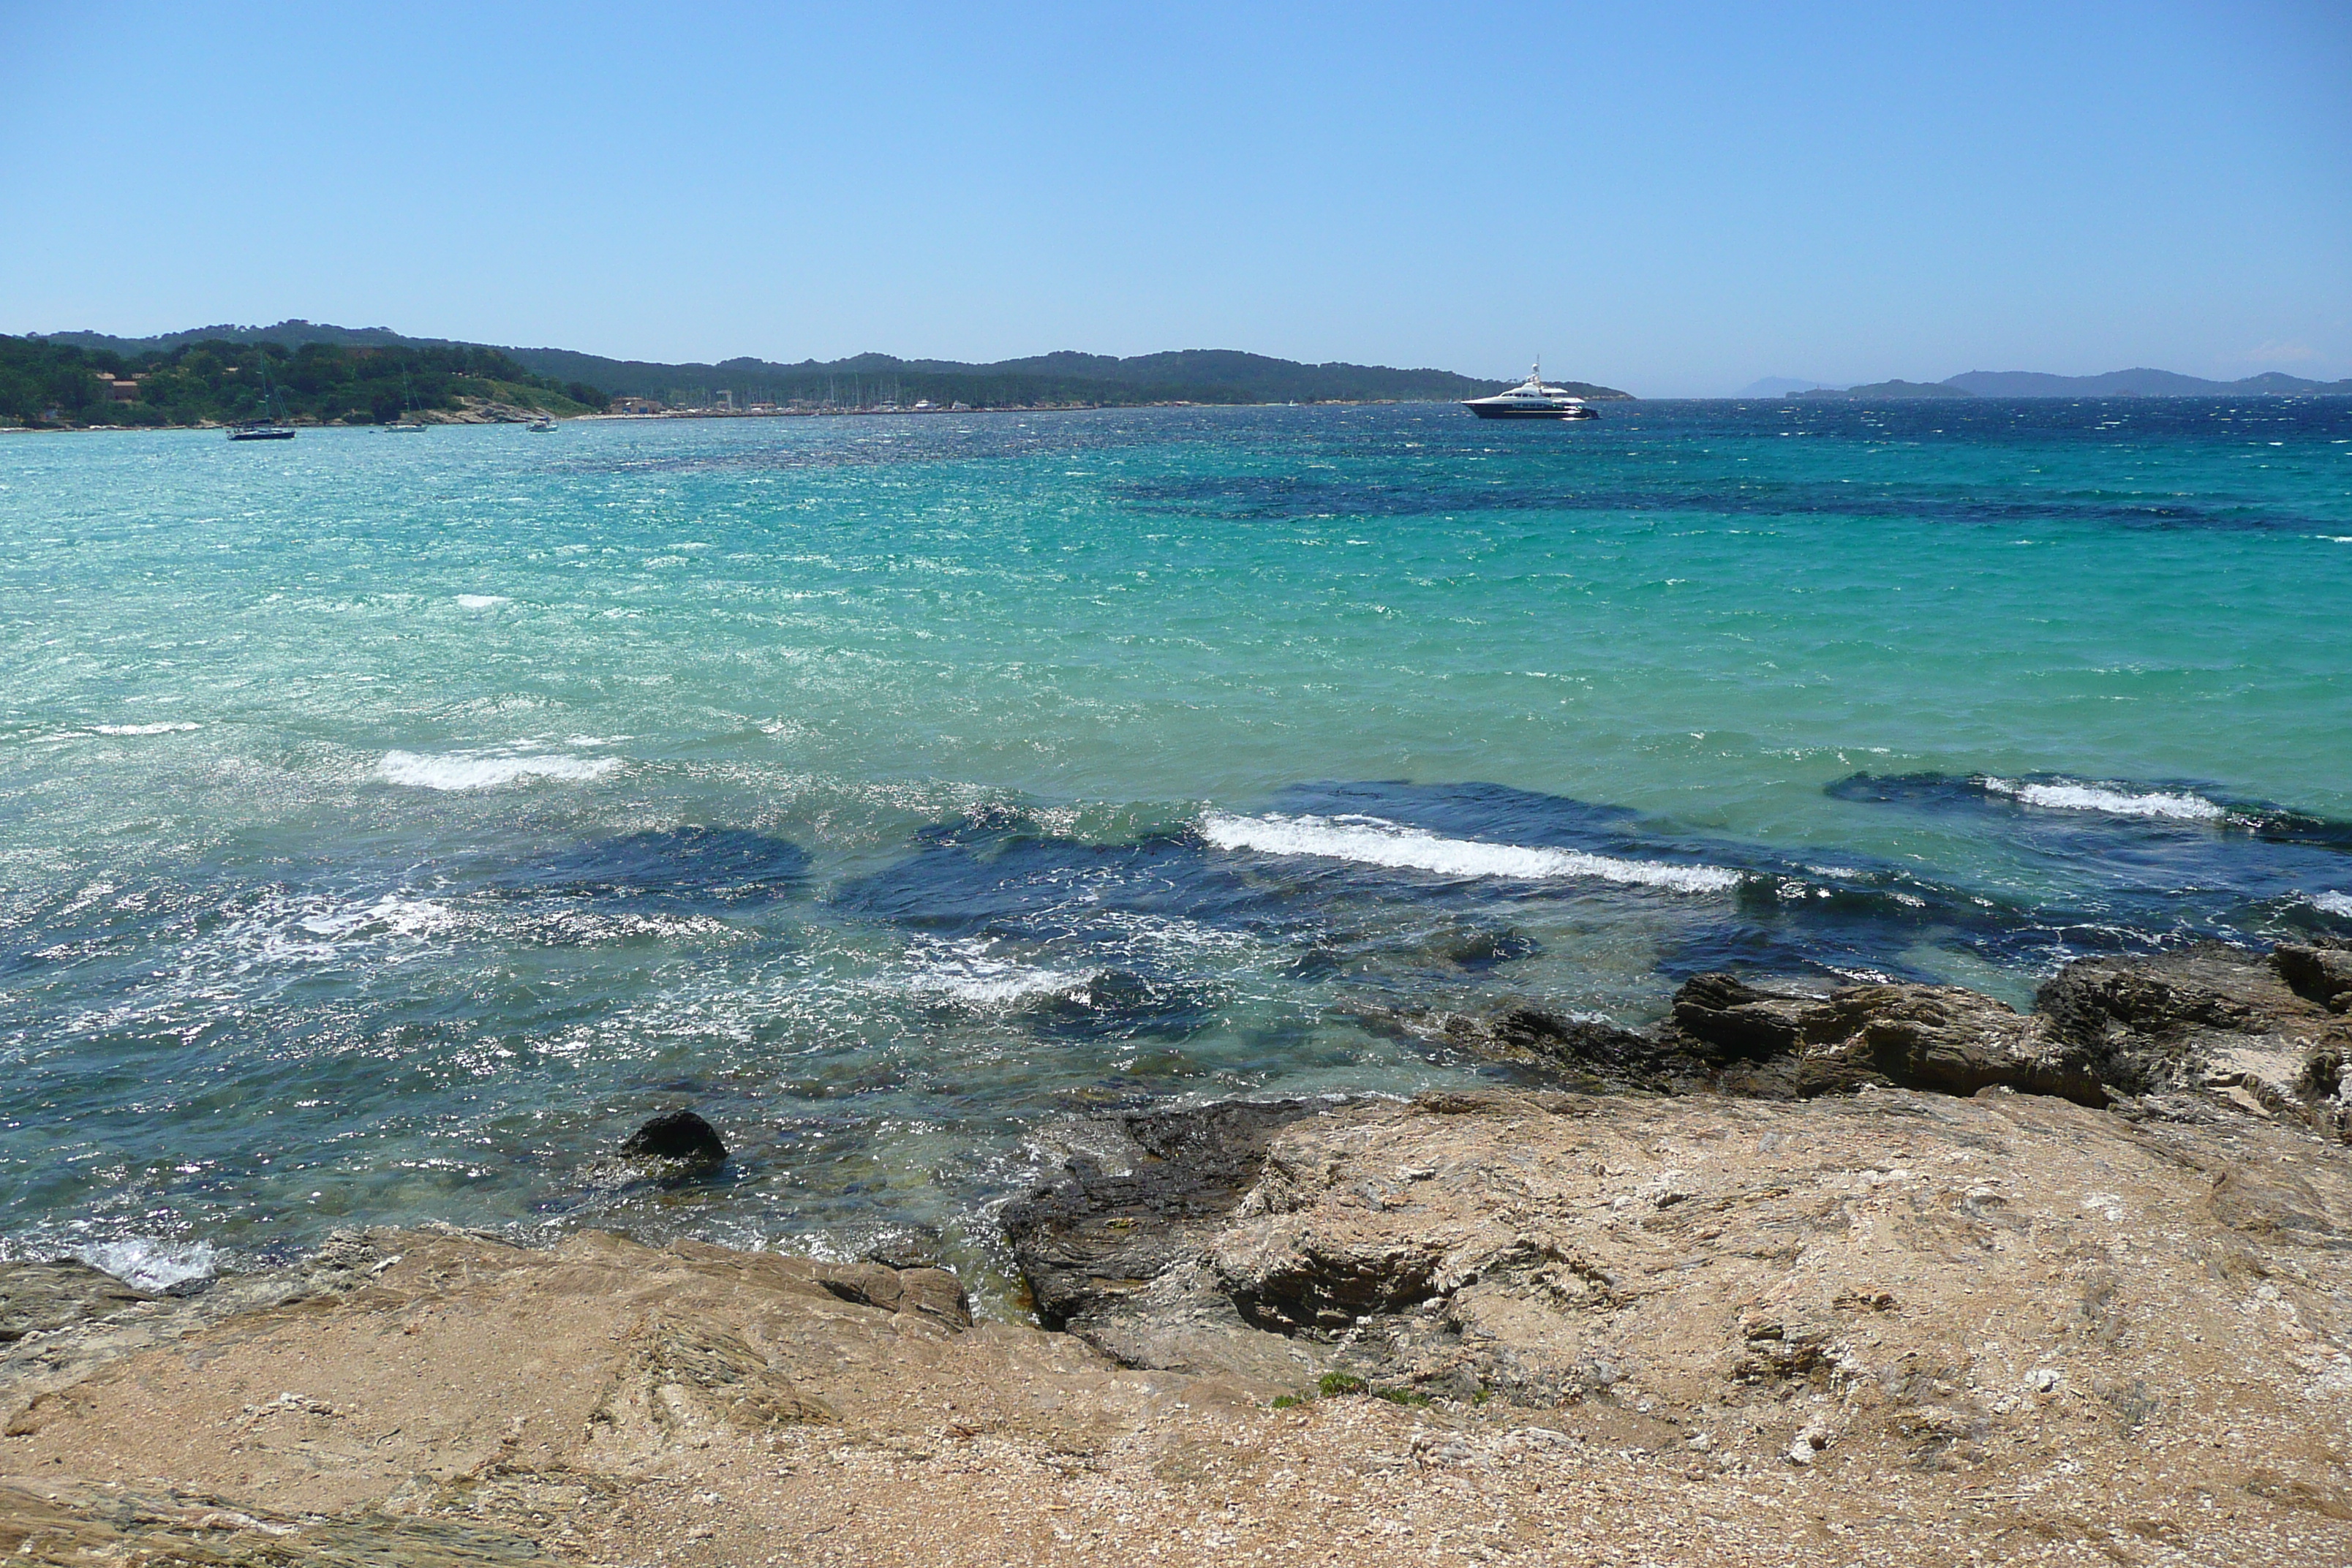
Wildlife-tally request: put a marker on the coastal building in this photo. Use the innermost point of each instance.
(633, 405)
(120, 388)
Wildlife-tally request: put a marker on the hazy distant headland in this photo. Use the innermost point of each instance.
(355, 376)
(2036, 384)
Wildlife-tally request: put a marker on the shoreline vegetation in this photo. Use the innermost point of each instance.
(354, 376)
(1876, 1272)
(213, 382)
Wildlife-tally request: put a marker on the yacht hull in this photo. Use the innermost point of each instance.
(1485, 413)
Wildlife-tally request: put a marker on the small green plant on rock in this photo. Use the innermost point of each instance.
(1343, 1385)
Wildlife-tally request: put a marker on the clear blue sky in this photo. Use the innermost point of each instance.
(1674, 199)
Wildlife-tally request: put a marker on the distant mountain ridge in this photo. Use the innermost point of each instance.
(2139, 382)
(1188, 375)
(1780, 386)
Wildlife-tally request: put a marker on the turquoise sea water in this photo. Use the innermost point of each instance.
(387, 826)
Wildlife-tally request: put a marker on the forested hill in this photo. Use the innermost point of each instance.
(201, 379)
(1193, 375)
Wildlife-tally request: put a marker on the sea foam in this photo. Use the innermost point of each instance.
(2168, 804)
(321, 929)
(2333, 903)
(966, 976)
(143, 729)
(151, 1265)
(1375, 841)
(475, 770)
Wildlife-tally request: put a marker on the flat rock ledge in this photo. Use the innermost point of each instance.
(1881, 1230)
(1865, 1274)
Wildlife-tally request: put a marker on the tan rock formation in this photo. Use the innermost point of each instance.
(1881, 1326)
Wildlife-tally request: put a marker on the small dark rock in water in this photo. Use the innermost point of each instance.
(681, 1138)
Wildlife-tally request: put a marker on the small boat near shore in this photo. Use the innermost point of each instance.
(410, 420)
(1532, 399)
(271, 425)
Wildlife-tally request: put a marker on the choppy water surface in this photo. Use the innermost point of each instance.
(387, 827)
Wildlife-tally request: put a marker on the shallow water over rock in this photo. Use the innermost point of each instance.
(384, 833)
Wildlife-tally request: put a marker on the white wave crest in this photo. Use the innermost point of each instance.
(391, 915)
(482, 601)
(1375, 841)
(150, 1263)
(475, 770)
(2333, 903)
(317, 929)
(981, 982)
(143, 729)
(2171, 805)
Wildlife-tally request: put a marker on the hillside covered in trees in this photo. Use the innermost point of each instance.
(199, 380)
(1193, 375)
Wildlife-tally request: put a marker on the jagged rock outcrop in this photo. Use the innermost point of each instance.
(1454, 1252)
(1888, 1283)
(2321, 974)
(1706, 1256)
(2270, 1034)
(1131, 1195)
(2260, 1031)
(1781, 1041)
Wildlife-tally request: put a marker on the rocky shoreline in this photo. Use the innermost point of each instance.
(1876, 1272)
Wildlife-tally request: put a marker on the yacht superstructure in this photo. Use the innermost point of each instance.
(1531, 399)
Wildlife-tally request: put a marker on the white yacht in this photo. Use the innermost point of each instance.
(1531, 399)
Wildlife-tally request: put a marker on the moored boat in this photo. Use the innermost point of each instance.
(271, 425)
(410, 420)
(1532, 399)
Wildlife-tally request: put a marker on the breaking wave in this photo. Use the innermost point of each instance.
(2176, 806)
(475, 770)
(960, 974)
(1376, 841)
(151, 1265)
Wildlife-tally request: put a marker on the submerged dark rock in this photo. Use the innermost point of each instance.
(679, 1139)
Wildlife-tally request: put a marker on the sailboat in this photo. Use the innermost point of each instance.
(271, 425)
(408, 423)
